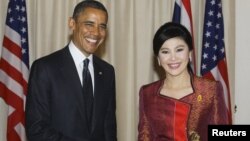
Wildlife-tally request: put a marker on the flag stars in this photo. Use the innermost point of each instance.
(11, 20)
(215, 47)
(204, 66)
(213, 50)
(214, 57)
(210, 13)
(205, 55)
(217, 26)
(219, 15)
(23, 19)
(216, 37)
(23, 30)
(9, 10)
(23, 40)
(219, 5)
(222, 50)
(208, 34)
(206, 45)
(212, 2)
(23, 9)
(209, 23)
(23, 51)
(17, 8)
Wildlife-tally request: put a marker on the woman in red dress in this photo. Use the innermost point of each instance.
(180, 106)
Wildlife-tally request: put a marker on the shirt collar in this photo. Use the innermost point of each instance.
(77, 55)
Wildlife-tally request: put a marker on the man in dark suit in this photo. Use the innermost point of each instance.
(57, 108)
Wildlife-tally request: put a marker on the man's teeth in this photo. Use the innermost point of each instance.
(91, 40)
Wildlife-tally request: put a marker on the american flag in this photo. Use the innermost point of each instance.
(14, 68)
(213, 59)
(183, 15)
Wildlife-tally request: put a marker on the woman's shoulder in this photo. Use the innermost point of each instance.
(152, 87)
(152, 84)
(200, 79)
(205, 83)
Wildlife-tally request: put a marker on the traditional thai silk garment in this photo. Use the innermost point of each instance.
(163, 118)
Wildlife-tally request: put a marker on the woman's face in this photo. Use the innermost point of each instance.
(174, 56)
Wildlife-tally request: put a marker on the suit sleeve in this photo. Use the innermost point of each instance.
(219, 110)
(37, 112)
(110, 118)
(143, 127)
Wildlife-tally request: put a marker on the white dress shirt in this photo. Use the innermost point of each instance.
(78, 58)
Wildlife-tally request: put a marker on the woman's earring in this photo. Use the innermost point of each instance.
(159, 62)
(190, 58)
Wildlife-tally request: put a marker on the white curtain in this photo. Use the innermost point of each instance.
(131, 27)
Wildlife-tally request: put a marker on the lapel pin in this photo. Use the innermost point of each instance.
(199, 98)
(100, 73)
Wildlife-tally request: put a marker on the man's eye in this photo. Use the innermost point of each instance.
(104, 27)
(88, 24)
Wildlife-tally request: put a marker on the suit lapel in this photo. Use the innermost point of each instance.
(98, 72)
(70, 75)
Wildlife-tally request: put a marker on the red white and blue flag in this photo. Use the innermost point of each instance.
(213, 59)
(14, 68)
(183, 15)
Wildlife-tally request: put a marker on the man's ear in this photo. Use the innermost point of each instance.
(71, 23)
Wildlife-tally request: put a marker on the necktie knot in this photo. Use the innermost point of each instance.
(85, 63)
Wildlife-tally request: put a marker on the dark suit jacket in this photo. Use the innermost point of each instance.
(55, 106)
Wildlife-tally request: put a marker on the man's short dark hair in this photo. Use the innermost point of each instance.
(80, 7)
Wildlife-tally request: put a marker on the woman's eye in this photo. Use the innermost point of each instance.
(164, 52)
(180, 49)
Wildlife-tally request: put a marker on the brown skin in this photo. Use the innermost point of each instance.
(89, 30)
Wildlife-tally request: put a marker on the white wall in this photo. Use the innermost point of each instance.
(242, 62)
(3, 119)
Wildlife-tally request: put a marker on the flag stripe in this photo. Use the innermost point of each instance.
(216, 72)
(14, 68)
(213, 60)
(183, 15)
(15, 75)
(12, 47)
(185, 20)
(21, 128)
(13, 35)
(12, 84)
(222, 65)
(186, 15)
(16, 63)
(13, 100)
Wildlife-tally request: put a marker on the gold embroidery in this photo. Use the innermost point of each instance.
(199, 98)
(145, 132)
(194, 136)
